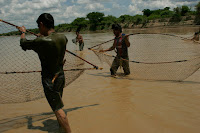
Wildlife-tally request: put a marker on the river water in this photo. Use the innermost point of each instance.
(98, 103)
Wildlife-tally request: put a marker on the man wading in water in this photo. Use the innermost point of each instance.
(79, 39)
(196, 36)
(50, 47)
(121, 43)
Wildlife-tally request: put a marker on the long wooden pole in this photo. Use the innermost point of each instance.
(17, 27)
(108, 41)
(66, 50)
(84, 60)
(76, 69)
(139, 61)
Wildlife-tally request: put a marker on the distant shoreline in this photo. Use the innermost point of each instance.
(153, 29)
(158, 28)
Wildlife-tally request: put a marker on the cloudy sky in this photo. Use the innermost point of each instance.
(25, 12)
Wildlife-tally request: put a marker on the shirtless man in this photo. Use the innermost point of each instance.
(79, 39)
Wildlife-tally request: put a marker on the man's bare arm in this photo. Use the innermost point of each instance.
(126, 38)
(110, 49)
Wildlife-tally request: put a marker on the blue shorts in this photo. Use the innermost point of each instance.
(81, 45)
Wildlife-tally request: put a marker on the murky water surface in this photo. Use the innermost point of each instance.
(98, 103)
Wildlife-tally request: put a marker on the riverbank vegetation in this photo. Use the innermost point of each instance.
(150, 18)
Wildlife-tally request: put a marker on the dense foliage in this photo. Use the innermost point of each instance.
(197, 18)
(98, 21)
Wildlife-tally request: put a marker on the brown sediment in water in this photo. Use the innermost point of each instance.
(98, 103)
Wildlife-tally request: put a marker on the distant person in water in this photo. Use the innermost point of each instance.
(196, 35)
(79, 39)
(121, 44)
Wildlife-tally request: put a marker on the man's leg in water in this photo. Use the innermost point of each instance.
(62, 120)
(81, 45)
(114, 67)
(125, 65)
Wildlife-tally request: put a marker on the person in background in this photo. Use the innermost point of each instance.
(79, 39)
(196, 36)
(121, 44)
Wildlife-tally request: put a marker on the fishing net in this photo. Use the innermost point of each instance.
(74, 41)
(20, 75)
(155, 57)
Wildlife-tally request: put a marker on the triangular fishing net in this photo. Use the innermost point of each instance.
(20, 76)
(156, 57)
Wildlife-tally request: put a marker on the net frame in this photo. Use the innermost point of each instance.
(16, 85)
(108, 58)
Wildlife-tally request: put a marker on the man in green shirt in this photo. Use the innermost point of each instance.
(50, 47)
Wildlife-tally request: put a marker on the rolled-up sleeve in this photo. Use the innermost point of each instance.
(30, 44)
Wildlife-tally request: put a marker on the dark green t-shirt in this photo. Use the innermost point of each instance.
(51, 51)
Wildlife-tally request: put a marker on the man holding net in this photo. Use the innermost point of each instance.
(121, 43)
(79, 39)
(50, 47)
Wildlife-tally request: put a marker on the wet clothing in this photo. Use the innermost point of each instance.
(51, 51)
(122, 53)
(54, 91)
(81, 45)
(119, 62)
(122, 49)
(81, 42)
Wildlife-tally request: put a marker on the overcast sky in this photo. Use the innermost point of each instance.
(25, 12)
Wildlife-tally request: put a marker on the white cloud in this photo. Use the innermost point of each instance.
(159, 4)
(25, 12)
(116, 5)
(134, 9)
(94, 6)
(83, 1)
(1, 1)
(73, 11)
(92, 1)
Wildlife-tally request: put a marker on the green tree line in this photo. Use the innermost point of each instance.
(98, 21)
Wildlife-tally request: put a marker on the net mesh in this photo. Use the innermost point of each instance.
(155, 57)
(19, 82)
